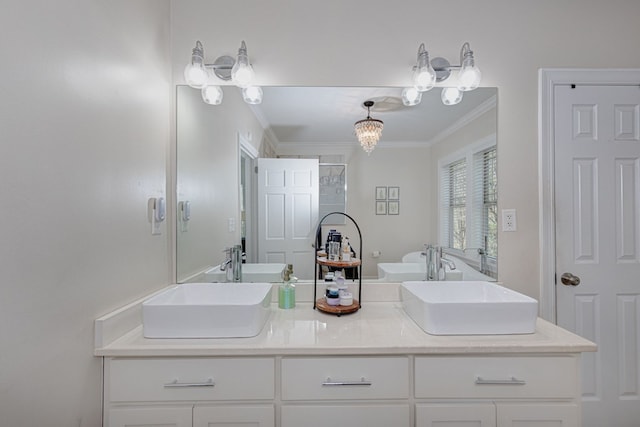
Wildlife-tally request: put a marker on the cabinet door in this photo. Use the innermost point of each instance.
(234, 416)
(455, 415)
(374, 415)
(151, 416)
(538, 415)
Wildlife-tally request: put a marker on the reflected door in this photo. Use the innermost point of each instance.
(597, 199)
(288, 213)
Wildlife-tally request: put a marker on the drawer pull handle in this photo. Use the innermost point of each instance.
(362, 381)
(511, 381)
(176, 384)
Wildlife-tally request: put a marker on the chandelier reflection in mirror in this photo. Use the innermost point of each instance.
(239, 71)
(368, 130)
(427, 73)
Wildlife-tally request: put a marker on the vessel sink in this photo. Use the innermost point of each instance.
(258, 272)
(468, 308)
(406, 271)
(207, 310)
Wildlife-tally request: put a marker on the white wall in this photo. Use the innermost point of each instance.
(391, 235)
(338, 43)
(84, 118)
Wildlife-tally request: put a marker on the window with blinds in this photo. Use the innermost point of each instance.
(485, 205)
(468, 197)
(457, 188)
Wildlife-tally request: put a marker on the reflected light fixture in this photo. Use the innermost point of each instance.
(368, 130)
(411, 96)
(451, 96)
(252, 94)
(427, 73)
(239, 71)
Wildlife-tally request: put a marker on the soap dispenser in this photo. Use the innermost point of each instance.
(287, 291)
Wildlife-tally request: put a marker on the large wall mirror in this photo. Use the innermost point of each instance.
(430, 180)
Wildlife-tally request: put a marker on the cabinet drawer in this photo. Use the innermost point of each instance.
(379, 415)
(188, 379)
(496, 377)
(345, 378)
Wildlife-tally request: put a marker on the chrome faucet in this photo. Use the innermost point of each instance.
(435, 261)
(482, 253)
(234, 259)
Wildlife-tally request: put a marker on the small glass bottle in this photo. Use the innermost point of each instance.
(346, 250)
(287, 290)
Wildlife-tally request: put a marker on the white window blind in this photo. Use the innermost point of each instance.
(468, 203)
(485, 204)
(454, 196)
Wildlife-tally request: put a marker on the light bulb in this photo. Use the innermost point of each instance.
(451, 96)
(242, 72)
(212, 94)
(469, 75)
(195, 73)
(424, 76)
(252, 94)
(411, 96)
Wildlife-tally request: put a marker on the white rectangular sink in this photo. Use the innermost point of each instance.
(401, 271)
(468, 308)
(257, 272)
(207, 310)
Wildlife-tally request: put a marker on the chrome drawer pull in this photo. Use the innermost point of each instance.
(511, 381)
(362, 381)
(175, 383)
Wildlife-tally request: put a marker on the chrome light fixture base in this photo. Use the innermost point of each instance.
(442, 67)
(222, 67)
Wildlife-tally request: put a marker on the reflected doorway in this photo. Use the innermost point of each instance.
(248, 202)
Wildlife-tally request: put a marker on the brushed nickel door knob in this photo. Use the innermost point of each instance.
(569, 279)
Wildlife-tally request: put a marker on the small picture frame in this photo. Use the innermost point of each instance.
(381, 207)
(394, 193)
(394, 208)
(381, 193)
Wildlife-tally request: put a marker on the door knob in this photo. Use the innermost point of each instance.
(569, 279)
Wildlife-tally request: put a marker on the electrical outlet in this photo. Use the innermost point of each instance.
(509, 220)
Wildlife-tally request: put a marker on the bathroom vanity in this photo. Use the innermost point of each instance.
(373, 368)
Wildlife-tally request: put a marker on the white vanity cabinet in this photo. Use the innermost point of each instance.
(345, 391)
(508, 391)
(374, 368)
(188, 391)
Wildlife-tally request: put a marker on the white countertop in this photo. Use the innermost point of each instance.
(377, 328)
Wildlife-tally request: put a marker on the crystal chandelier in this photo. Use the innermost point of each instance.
(368, 130)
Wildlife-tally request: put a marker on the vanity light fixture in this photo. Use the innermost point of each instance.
(239, 71)
(427, 73)
(368, 130)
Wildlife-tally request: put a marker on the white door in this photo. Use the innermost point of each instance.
(288, 213)
(597, 199)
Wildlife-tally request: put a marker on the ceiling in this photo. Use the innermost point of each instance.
(325, 115)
